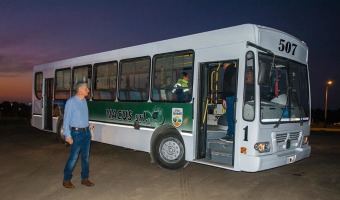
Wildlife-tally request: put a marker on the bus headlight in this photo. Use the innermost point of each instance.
(305, 140)
(262, 147)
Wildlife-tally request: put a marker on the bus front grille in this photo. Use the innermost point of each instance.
(283, 141)
(281, 137)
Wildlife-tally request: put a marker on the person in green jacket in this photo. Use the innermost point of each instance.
(181, 88)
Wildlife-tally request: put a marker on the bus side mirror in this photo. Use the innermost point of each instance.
(264, 74)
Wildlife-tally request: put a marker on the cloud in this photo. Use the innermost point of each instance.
(11, 64)
(20, 55)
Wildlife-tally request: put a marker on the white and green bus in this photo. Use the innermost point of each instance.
(135, 101)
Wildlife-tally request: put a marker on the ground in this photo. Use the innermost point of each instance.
(32, 163)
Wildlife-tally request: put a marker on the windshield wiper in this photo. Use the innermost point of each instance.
(260, 48)
(299, 106)
(284, 109)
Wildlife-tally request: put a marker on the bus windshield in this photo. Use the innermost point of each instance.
(285, 96)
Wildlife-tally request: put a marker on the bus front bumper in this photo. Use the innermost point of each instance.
(259, 163)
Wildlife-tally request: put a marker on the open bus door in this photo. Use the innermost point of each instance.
(212, 125)
(48, 97)
(202, 125)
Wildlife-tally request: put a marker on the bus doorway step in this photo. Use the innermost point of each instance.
(220, 151)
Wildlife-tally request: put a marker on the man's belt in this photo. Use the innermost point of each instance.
(80, 129)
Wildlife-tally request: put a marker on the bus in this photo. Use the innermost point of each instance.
(135, 100)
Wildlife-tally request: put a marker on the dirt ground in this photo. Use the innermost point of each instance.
(32, 163)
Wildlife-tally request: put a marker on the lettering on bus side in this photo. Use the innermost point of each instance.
(142, 118)
(121, 115)
(126, 115)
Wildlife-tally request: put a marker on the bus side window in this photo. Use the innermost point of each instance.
(62, 83)
(134, 79)
(168, 79)
(122, 95)
(249, 88)
(82, 73)
(135, 95)
(105, 76)
(156, 94)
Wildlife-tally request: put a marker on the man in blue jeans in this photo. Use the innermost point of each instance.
(77, 134)
(228, 96)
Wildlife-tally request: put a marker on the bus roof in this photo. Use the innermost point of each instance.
(219, 37)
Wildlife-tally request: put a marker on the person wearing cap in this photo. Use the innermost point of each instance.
(77, 134)
(228, 96)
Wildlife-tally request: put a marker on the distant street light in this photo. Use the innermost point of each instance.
(329, 83)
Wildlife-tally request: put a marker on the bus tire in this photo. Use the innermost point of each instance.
(168, 149)
(60, 131)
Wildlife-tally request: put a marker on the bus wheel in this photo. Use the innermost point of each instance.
(169, 151)
(60, 132)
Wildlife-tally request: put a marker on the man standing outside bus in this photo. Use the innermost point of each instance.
(77, 134)
(228, 96)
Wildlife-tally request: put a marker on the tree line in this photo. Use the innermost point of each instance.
(318, 116)
(14, 110)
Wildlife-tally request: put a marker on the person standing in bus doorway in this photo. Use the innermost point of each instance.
(77, 134)
(228, 96)
(181, 88)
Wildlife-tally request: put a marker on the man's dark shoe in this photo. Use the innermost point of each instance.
(68, 184)
(87, 183)
(227, 138)
(230, 138)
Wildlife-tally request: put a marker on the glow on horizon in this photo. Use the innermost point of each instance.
(16, 88)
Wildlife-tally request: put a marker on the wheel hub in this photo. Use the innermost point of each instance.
(170, 150)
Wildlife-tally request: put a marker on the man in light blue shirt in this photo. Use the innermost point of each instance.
(77, 134)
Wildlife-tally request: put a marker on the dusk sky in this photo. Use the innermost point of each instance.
(39, 31)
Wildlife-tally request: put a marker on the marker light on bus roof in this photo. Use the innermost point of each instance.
(262, 147)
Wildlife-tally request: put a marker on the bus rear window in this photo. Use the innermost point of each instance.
(38, 84)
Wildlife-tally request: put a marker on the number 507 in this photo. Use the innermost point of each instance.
(288, 47)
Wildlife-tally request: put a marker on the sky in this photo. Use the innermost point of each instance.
(41, 31)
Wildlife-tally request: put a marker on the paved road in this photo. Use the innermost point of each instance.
(32, 161)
